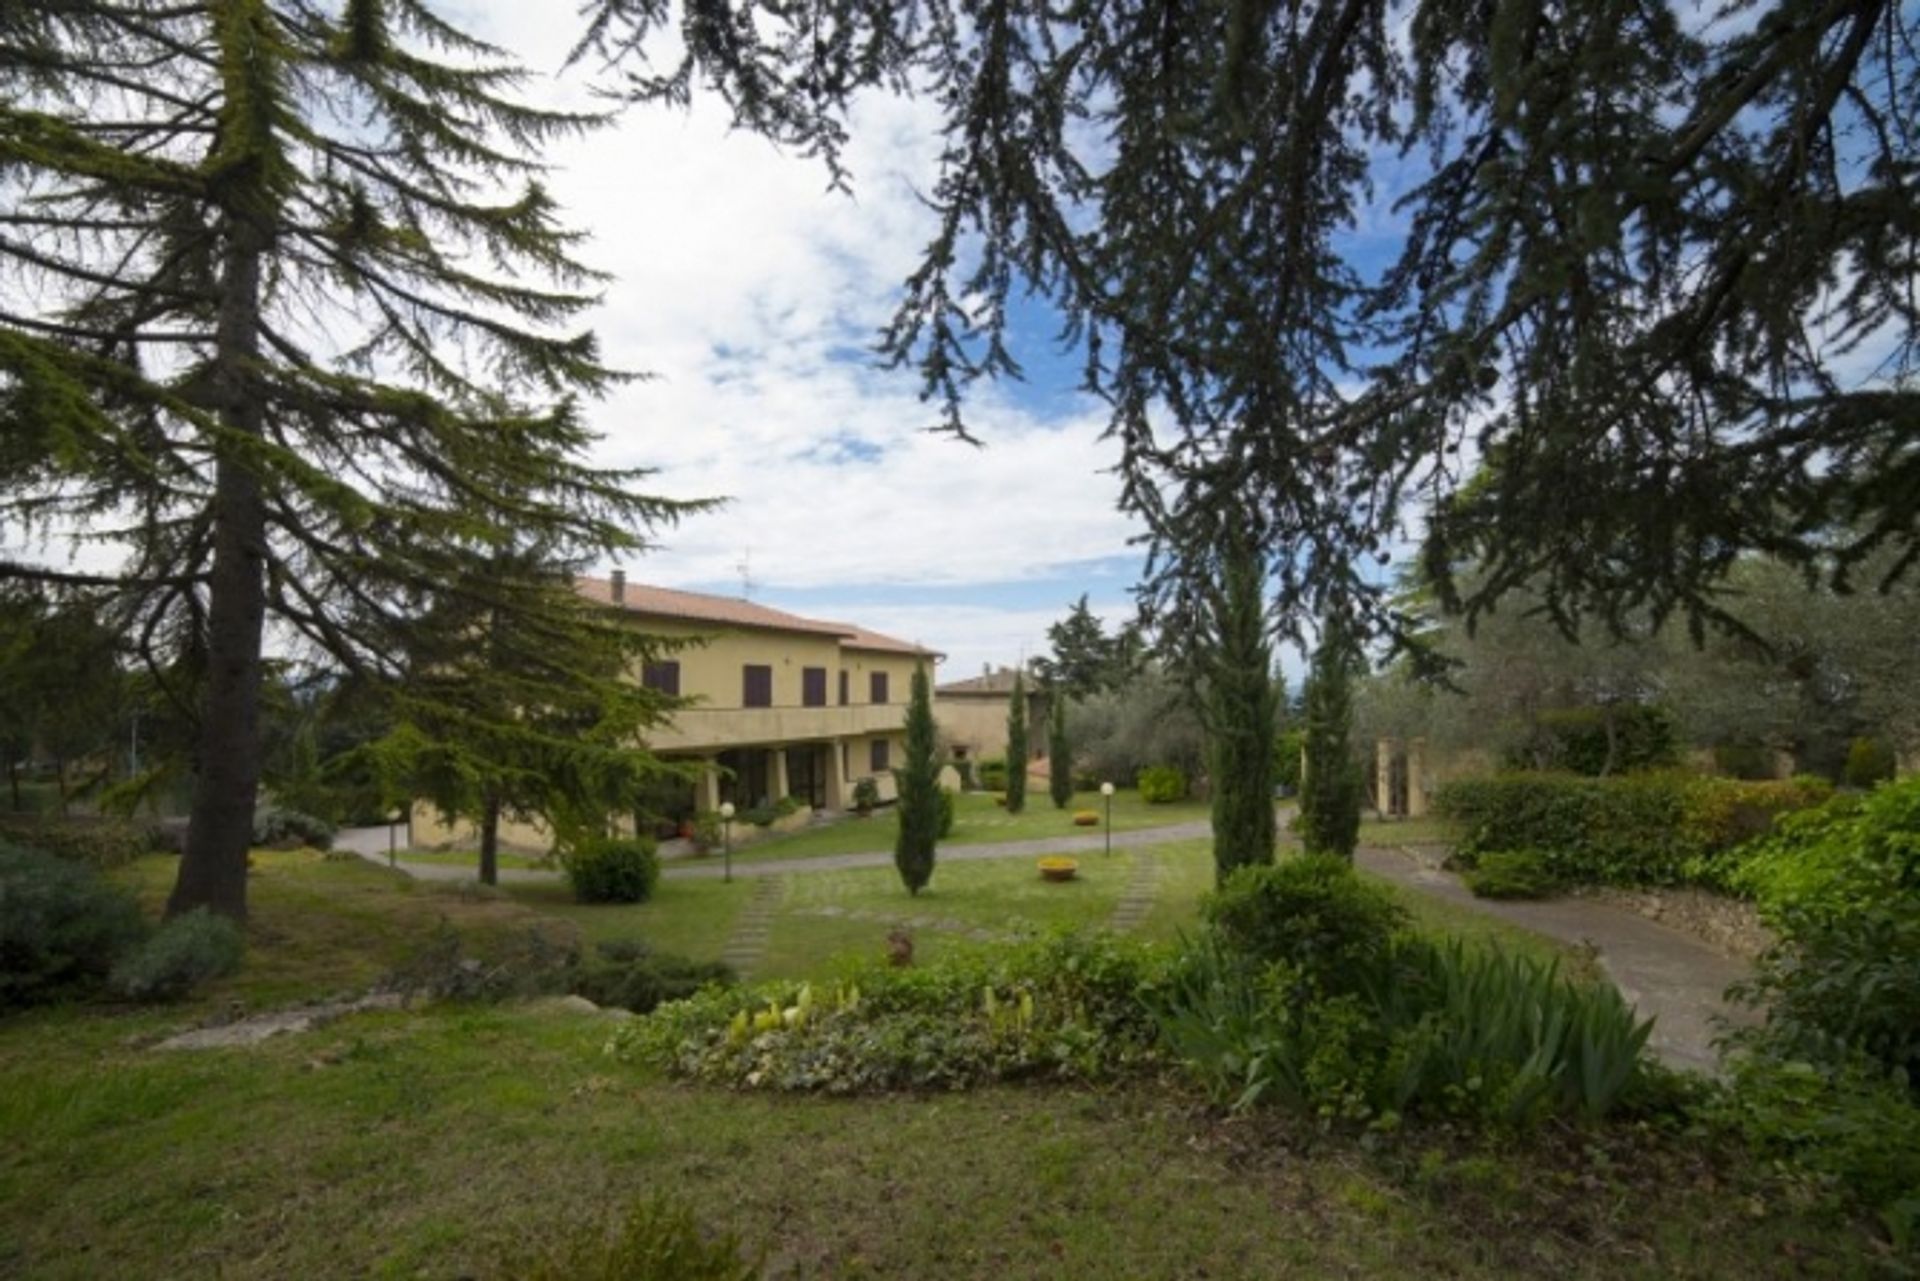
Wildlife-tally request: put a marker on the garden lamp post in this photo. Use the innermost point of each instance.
(726, 836)
(1106, 790)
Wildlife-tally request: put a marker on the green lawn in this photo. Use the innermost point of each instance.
(471, 858)
(978, 821)
(449, 1141)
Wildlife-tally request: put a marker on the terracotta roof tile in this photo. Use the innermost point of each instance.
(665, 602)
(699, 607)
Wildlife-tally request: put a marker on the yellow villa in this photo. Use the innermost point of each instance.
(781, 705)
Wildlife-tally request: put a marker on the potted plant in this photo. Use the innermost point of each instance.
(1056, 868)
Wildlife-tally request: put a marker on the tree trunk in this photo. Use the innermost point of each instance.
(490, 839)
(13, 781)
(213, 868)
(60, 782)
(1613, 742)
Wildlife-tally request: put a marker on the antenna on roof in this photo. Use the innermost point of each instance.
(746, 573)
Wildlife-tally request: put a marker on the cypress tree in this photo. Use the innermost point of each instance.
(1017, 745)
(1242, 705)
(1331, 788)
(919, 780)
(274, 323)
(1059, 751)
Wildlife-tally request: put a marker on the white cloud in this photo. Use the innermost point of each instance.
(753, 294)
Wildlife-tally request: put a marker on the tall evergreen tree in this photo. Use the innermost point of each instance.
(530, 713)
(1017, 745)
(269, 321)
(1085, 660)
(1659, 275)
(1059, 751)
(1242, 716)
(919, 779)
(1331, 787)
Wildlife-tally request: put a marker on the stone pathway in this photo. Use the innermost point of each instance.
(1137, 900)
(748, 942)
(1674, 977)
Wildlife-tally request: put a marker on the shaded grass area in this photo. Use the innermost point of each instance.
(978, 821)
(444, 1143)
(322, 924)
(471, 859)
(691, 918)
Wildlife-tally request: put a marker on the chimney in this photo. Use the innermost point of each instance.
(619, 586)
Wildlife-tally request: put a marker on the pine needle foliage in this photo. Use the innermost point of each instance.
(520, 707)
(1243, 709)
(1656, 272)
(919, 783)
(1331, 786)
(1017, 745)
(1059, 751)
(286, 310)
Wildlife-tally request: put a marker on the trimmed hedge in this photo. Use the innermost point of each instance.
(104, 843)
(1636, 829)
(613, 870)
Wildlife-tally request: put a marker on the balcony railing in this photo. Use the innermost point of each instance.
(695, 728)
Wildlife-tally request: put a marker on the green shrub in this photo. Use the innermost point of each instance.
(707, 833)
(179, 956)
(629, 975)
(1314, 913)
(1161, 784)
(659, 1240)
(946, 803)
(1846, 855)
(866, 795)
(285, 827)
(613, 870)
(964, 768)
(1869, 761)
(758, 815)
(104, 843)
(1512, 874)
(993, 774)
(1433, 1029)
(1844, 1129)
(1639, 829)
(61, 927)
(1065, 1009)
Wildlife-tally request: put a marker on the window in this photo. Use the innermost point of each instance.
(846, 694)
(664, 677)
(757, 687)
(879, 764)
(813, 687)
(878, 681)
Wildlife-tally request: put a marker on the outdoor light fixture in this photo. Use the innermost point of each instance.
(726, 837)
(1106, 790)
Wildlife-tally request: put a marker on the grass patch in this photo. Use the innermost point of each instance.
(688, 917)
(470, 859)
(320, 924)
(440, 1143)
(977, 821)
